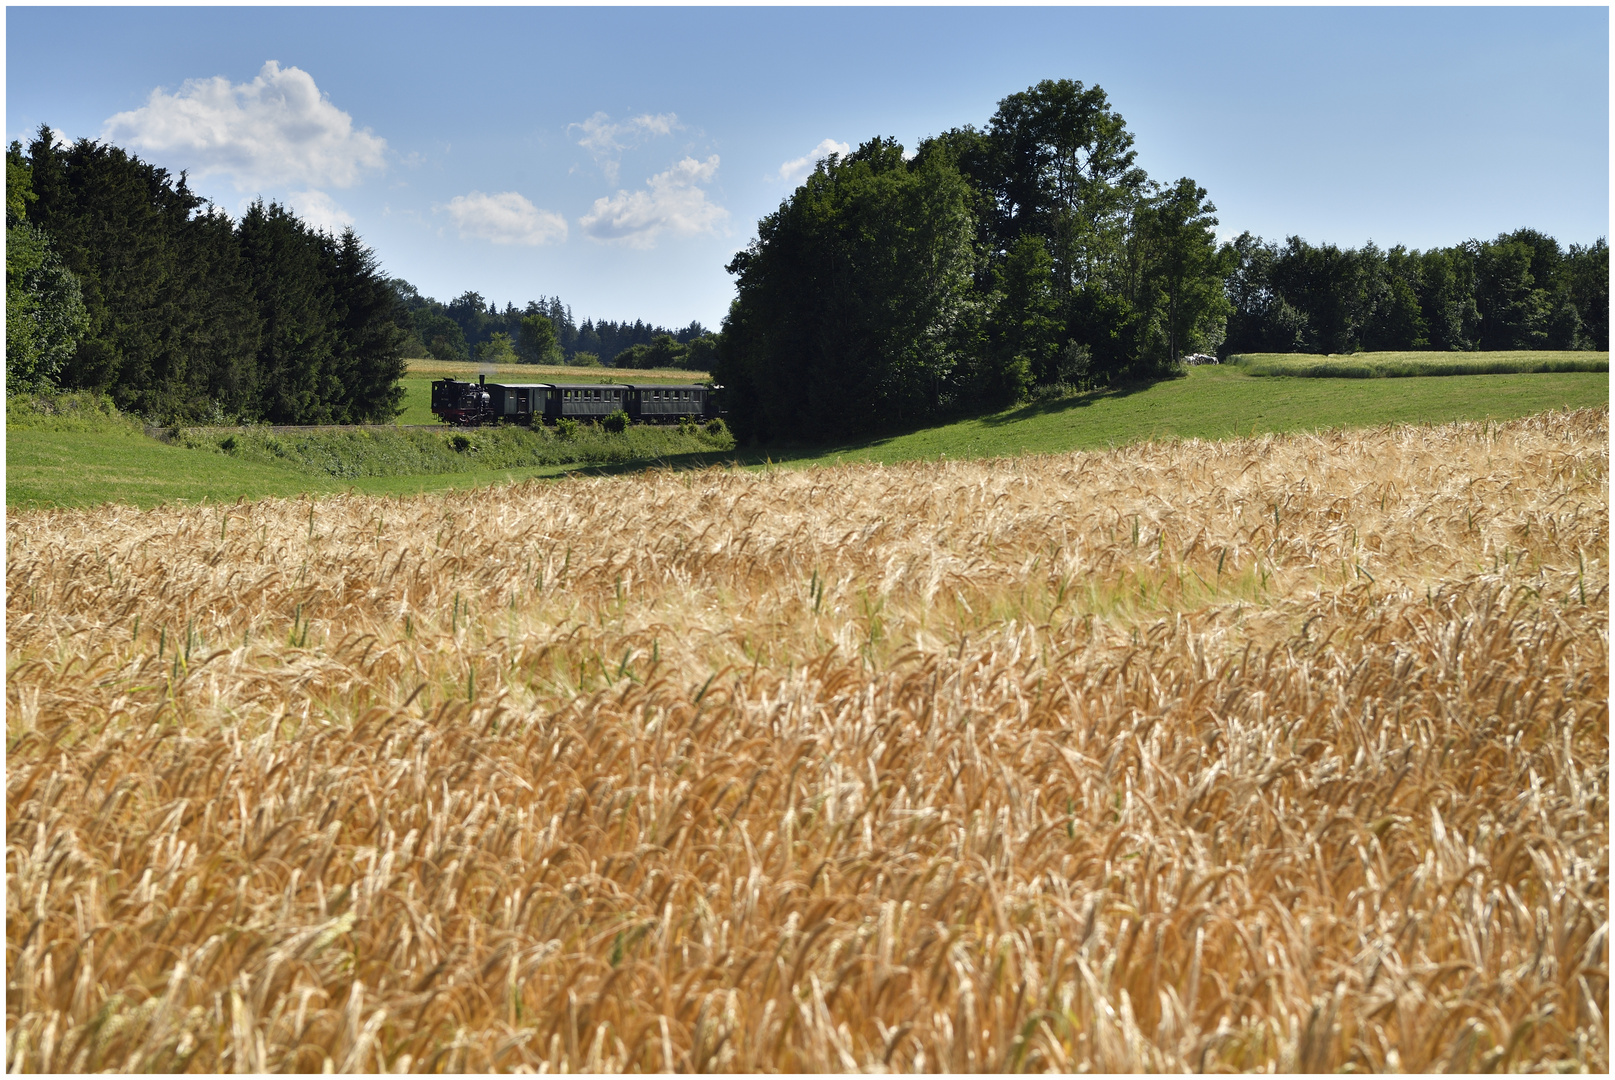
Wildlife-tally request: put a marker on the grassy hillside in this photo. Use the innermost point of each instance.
(80, 453)
(76, 451)
(1220, 402)
(53, 465)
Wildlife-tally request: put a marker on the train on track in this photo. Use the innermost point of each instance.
(482, 402)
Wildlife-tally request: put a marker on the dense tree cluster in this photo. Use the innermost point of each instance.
(1033, 252)
(142, 290)
(544, 332)
(1520, 291)
(695, 350)
(45, 315)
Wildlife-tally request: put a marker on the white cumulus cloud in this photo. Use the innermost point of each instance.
(795, 171)
(320, 210)
(672, 202)
(276, 129)
(605, 140)
(504, 218)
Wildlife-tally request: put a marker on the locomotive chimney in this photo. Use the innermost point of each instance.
(481, 379)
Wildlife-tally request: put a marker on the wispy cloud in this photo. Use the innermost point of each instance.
(796, 170)
(504, 218)
(320, 210)
(605, 140)
(671, 202)
(276, 129)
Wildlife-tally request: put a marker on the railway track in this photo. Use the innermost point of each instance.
(165, 433)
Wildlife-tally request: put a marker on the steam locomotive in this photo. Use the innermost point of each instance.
(483, 402)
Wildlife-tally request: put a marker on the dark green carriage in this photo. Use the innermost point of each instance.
(585, 402)
(648, 404)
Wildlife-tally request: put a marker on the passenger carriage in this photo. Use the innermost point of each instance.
(585, 401)
(656, 404)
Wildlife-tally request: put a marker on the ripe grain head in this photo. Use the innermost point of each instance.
(1282, 752)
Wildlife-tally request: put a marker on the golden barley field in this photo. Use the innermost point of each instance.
(1282, 753)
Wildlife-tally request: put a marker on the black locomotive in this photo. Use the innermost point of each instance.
(483, 402)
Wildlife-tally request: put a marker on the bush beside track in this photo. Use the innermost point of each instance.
(390, 451)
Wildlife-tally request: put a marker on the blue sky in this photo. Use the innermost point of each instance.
(617, 157)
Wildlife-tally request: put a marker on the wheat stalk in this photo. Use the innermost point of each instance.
(1287, 752)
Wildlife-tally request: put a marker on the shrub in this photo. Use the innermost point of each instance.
(635, 356)
(460, 442)
(78, 410)
(498, 350)
(616, 423)
(716, 427)
(566, 427)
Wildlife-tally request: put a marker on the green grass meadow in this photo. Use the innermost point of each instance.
(94, 458)
(60, 469)
(1220, 402)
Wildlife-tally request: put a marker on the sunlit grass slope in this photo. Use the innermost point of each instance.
(82, 453)
(85, 456)
(58, 467)
(1219, 402)
(1287, 753)
(119, 463)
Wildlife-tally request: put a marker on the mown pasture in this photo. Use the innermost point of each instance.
(1285, 752)
(1395, 365)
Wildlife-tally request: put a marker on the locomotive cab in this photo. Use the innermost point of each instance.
(458, 402)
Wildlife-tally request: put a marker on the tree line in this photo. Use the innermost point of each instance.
(1520, 291)
(471, 327)
(120, 279)
(1033, 255)
(127, 282)
(1029, 256)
